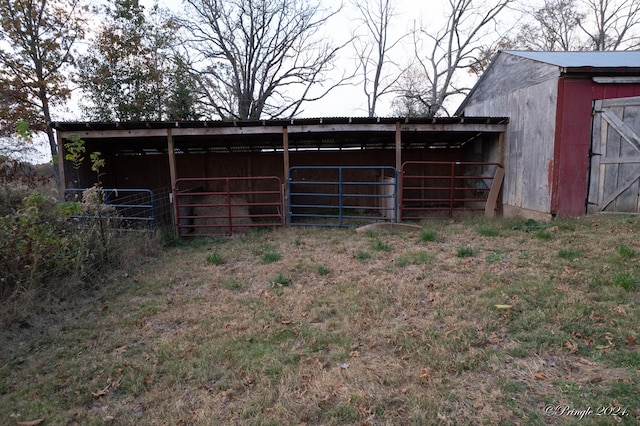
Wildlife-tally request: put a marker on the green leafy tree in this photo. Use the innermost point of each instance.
(37, 39)
(182, 104)
(128, 69)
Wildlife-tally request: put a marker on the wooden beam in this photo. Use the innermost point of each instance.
(60, 159)
(492, 198)
(263, 130)
(398, 171)
(285, 158)
(104, 134)
(501, 145)
(172, 175)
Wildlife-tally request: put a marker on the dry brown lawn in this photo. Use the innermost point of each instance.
(470, 321)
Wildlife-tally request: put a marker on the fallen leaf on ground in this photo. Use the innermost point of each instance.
(31, 422)
(572, 346)
(100, 392)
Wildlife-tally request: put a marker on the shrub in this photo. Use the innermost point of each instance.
(45, 251)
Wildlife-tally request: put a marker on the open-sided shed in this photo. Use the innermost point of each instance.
(561, 114)
(355, 162)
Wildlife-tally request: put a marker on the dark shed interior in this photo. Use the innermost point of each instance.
(157, 155)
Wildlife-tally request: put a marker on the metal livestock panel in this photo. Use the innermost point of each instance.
(210, 206)
(128, 209)
(341, 195)
(429, 187)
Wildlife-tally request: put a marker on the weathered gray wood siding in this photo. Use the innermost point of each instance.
(615, 165)
(526, 91)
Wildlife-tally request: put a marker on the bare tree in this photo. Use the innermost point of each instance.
(373, 50)
(452, 49)
(260, 58)
(38, 37)
(554, 27)
(610, 24)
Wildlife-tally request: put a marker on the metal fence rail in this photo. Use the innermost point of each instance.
(211, 206)
(341, 195)
(127, 208)
(439, 186)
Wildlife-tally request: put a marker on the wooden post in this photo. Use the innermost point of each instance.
(285, 158)
(60, 159)
(490, 207)
(501, 143)
(172, 176)
(398, 172)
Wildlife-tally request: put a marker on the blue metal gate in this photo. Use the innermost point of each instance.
(341, 195)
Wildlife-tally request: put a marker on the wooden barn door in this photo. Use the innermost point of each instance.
(615, 157)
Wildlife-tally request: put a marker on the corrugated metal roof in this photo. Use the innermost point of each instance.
(608, 59)
(77, 126)
(303, 133)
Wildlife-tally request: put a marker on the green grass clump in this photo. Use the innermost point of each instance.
(363, 255)
(488, 231)
(215, 259)
(625, 252)
(428, 235)
(531, 225)
(465, 251)
(281, 280)
(569, 254)
(270, 257)
(231, 284)
(626, 281)
(379, 245)
(544, 234)
(494, 257)
(323, 270)
(413, 258)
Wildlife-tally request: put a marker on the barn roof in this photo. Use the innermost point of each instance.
(615, 59)
(610, 66)
(303, 133)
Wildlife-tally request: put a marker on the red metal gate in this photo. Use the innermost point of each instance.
(431, 187)
(214, 206)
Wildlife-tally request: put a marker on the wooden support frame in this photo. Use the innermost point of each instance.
(285, 160)
(62, 185)
(172, 174)
(398, 141)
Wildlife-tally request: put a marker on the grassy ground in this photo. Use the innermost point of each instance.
(465, 322)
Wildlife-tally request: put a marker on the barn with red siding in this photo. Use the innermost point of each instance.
(569, 148)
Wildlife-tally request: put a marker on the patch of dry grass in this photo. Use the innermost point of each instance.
(409, 335)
